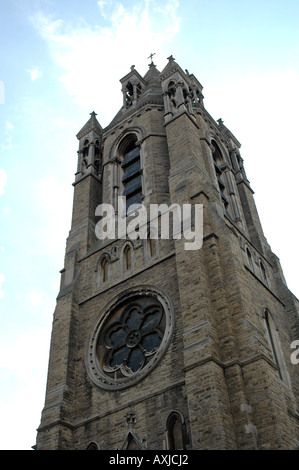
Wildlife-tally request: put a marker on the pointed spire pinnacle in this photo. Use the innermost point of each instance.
(93, 120)
(91, 125)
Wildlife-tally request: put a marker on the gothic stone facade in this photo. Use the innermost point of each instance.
(155, 346)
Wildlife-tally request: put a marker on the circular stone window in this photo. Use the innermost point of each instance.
(129, 338)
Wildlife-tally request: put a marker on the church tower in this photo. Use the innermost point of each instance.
(156, 345)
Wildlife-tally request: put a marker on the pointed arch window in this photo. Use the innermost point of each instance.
(131, 91)
(151, 243)
(128, 257)
(92, 446)
(249, 259)
(151, 247)
(129, 94)
(97, 155)
(175, 432)
(275, 347)
(105, 269)
(272, 338)
(171, 93)
(85, 151)
(218, 160)
(131, 180)
(264, 273)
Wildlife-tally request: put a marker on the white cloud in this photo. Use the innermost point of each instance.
(59, 123)
(103, 5)
(35, 298)
(9, 126)
(29, 342)
(23, 368)
(2, 92)
(35, 73)
(2, 279)
(3, 180)
(261, 111)
(8, 144)
(55, 206)
(94, 58)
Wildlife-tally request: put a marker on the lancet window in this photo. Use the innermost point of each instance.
(218, 160)
(131, 179)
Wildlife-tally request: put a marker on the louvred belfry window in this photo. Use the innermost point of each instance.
(132, 177)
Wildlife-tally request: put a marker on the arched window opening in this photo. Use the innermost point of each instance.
(97, 148)
(104, 270)
(129, 94)
(271, 332)
(175, 432)
(186, 95)
(171, 93)
(92, 446)
(85, 151)
(264, 273)
(132, 184)
(196, 95)
(249, 259)
(97, 155)
(151, 246)
(127, 257)
(218, 160)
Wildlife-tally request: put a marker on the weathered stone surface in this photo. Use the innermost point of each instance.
(218, 375)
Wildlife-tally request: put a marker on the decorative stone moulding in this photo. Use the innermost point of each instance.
(129, 338)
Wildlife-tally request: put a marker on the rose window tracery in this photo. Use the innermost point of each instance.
(132, 339)
(129, 339)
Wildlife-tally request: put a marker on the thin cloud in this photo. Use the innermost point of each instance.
(3, 180)
(99, 49)
(49, 201)
(35, 73)
(8, 144)
(35, 298)
(104, 8)
(8, 126)
(2, 279)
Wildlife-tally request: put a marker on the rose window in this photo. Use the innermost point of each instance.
(130, 342)
(129, 339)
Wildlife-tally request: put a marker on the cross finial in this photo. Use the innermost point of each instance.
(151, 56)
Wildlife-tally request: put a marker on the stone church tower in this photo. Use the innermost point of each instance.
(155, 346)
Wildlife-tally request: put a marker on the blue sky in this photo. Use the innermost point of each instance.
(59, 61)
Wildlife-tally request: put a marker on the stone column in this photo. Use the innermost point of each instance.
(232, 194)
(180, 95)
(168, 114)
(115, 182)
(235, 163)
(79, 171)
